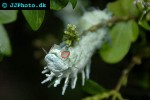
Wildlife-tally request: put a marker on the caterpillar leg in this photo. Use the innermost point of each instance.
(49, 77)
(73, 81)
(45, 70)
(65, 85)
(57, 82)
(87, 69)
(83, 77)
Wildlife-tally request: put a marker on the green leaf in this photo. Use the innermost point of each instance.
(123, 8)
(58, 4)
(120, 44)
(34, 18)
(73, 2)
(140, 5)
(122, 35)
(93, 88)
(134, 30)
(5, 48)
(143, 22)
(7, 16)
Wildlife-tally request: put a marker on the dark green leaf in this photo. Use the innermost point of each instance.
(7, 16)
(122, 37)
(58, 4)
(34, 18)
(5, 48)
(123, 8)
(73, 2)
(93, 88)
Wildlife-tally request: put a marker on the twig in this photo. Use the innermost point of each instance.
(136, 60)
(104, 95)
(110, 22)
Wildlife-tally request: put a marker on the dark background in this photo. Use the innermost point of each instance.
(20, 74)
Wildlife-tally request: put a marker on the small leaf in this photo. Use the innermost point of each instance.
(114, 8)
(143, 22)
(134, 30)
(140, 5)
(123, 8)
(121, 41)
(5, 48)
(73, 2)
(7, 16)
(58, 4)
(93, 88)
(34, 18)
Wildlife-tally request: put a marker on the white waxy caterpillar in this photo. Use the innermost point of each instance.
(62, 63)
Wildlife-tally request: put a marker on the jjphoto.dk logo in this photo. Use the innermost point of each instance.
(23, 5)
(27, 5)
(4, 5)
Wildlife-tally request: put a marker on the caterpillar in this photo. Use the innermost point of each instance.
(67, 63)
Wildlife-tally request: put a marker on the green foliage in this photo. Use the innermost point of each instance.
(5, 48)
(7, 16)
(93, 88)
(34, 18)
(59, 4)
(145, 16)
(143, 21)
(122, 35)
(73, 2)
(134, 30)
(123, 8)
(139, 5)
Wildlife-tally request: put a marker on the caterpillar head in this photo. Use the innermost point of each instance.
(55, 61)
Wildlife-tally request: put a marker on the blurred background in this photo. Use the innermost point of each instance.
(20, 74)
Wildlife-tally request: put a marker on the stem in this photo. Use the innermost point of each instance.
(110, 22)
(124, 75)
(135, 61)
(104, 95)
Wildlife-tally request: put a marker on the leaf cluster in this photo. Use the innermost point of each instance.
(33, 17)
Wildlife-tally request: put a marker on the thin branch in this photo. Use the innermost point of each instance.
(110, 22)
(136, 60)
